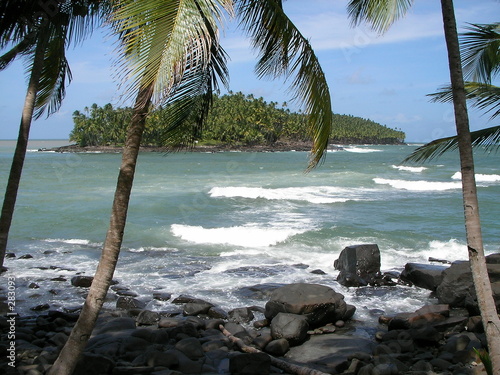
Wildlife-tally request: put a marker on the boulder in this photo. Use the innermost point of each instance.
(329, 353)
(359, 265)
(457, 288)
(427, 276)
(250, 364)
(318, 303)
(241, 315)
(291, 327)
(82, 281)
(128, 303)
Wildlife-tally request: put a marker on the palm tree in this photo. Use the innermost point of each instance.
(381, 14)
(42, 38)
(173, 53)
(481, 62)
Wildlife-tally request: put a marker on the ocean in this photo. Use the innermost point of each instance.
(210, 224)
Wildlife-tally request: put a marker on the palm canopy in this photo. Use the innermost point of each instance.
(181, 57)
(171, 48)
(481, 60)
(283, 51)
(26, 24)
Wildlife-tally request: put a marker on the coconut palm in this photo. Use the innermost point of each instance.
(481, 62)
(381, 14)
(171, 49)
(41, 38)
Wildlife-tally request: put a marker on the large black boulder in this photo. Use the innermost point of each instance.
(457, 287)
(318, 303)
(359, 265)
(427, 276)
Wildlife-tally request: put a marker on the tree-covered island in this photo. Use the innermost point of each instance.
(235, 120)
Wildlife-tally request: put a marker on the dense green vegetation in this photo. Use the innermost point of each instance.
(235, 119)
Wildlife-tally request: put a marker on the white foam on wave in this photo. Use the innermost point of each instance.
(72, 241)
(409, 169)
(248, 235)
(361, 150)
(479, 177)
(420, 185)
(311, 194)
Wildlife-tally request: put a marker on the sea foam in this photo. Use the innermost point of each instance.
(311, 194)
(479, 177)
(420, 185)
(244, 236)
(409, 169)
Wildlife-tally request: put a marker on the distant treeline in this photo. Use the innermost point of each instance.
(235, 119)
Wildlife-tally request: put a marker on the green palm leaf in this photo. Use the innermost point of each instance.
(488, 138)
(483, 96)
(174, 48)
(380, 14)
(481, 52)
(284, 51)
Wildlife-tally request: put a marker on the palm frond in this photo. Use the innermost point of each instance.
(481, 52)
(161, 40)
(488, 138)
(380, 14)
(483, 96)
(56, 74)
(283, 51)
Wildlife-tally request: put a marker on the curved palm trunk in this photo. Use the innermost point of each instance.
(480, 276)
(16, 169)
(69, 355)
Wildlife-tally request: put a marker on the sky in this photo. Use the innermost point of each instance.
(384, 78)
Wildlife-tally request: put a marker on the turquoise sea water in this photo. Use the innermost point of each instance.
(208, 224)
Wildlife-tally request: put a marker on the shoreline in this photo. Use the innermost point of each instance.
(276, 147)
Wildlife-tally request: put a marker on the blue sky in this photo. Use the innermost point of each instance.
(384, 78)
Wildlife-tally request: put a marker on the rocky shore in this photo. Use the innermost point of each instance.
(301, 329)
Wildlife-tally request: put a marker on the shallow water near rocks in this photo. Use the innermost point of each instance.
(210, 224)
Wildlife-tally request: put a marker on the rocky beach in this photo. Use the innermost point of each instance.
(300, 328)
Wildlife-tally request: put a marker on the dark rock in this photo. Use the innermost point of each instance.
(10, 255)
(41, 307)
(196, 308)
(191, 347)
(217, 313)
(329, 353)
(26, 256)
(457, 288)
(93, 364)
(82, 281)
(128, 303)
(147, 317)
(33, 286)
(115, 325)
(162, 296)
(259, 291)
(250, 364)
(241, 315)
(359, 265)
(318, 303)
(278, 348)
(291, 327)
(426, 276)
(163, 359)
(318, 272)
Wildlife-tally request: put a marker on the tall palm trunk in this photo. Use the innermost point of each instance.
(67, 360)
(16, 169)
(479, 270)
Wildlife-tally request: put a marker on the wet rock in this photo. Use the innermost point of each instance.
(241, 315)
(250, 364)
(94, 364)
(291, 327)
(330, 352)
(162, 296)
(26, 256)
(278, 348)
(147, 317)
(196, 308)
(82, 281)
(191, 347)
(427, 276)
(318, 303)
(359, 265)
(457, 288)
(128, 303)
